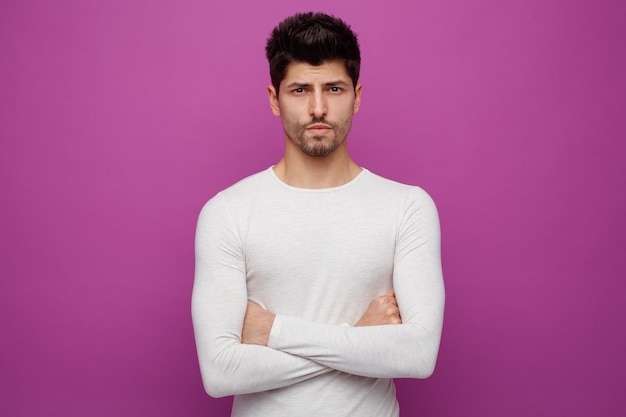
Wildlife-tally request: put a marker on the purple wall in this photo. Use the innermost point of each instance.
(119, 119)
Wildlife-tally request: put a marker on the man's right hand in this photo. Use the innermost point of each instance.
(257, 325)
(382, 310)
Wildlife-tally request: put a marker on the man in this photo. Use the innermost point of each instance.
(317, 281)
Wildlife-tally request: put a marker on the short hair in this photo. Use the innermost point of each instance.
(313, 38)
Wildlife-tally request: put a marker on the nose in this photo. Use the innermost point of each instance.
(317, 105)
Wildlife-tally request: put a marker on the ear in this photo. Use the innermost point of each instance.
(357, 97)
(272, 95)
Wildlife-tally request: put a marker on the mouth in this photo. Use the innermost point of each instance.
(318, 129)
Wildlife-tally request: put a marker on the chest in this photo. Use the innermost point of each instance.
(319, 261)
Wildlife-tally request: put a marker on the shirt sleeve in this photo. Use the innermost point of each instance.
(219, 302)
(407, 350)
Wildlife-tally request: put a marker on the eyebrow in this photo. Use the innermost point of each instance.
(336, 83)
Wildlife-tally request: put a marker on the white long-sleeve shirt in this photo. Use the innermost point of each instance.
(316, 258)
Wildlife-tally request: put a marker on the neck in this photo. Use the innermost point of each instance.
(302, 171)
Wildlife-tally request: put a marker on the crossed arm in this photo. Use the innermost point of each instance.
(243, 349)
(258, 322)
(234, 363)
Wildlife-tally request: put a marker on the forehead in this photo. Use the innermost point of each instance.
(328, 71)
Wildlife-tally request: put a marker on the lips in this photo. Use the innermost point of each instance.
(318, 126)
(318, 129)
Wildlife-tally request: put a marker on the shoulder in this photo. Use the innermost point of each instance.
(242, 193)
(405, 193)
(247, 188)
(415, 209)
(252, 184)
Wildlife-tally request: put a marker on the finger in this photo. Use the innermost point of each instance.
(389, 299)
(392, 311)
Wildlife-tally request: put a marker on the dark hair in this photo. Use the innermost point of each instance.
(313, 38)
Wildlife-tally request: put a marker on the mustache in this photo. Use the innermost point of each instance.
(321, 120)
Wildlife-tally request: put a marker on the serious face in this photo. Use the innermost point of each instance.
(316, 104)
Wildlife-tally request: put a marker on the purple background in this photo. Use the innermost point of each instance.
(119, 119)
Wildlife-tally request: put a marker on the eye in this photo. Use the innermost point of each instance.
(299, 90)
(336, 89)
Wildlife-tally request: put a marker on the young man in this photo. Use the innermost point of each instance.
(317, 281)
